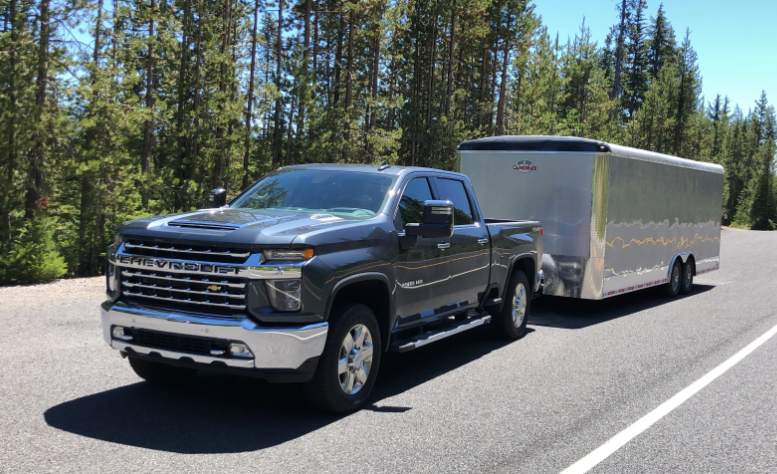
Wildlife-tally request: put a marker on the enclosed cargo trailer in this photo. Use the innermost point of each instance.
(616, 219)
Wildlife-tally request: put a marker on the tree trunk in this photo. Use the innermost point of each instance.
(218, 180)
(616, 84)
(182, 87)
(315, 54)
(148, 128)
(374, 85)
(500, 109)
(11, 125)
(85, 250)
(197, 94)
(36, 157)
(449, 85)
(430, 86)
(338, 60)
(348, 88)
(249, 106)
(278, 102)
(678, 131)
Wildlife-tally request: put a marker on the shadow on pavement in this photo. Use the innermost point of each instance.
(570, 313)
(229, 414)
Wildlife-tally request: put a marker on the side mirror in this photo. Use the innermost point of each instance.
(218, 198)
(438, 221)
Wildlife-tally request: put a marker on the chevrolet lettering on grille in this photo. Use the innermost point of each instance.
(144, 262)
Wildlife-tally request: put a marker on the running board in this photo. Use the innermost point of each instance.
(406, 345)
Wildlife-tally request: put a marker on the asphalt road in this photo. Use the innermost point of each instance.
(586, 371)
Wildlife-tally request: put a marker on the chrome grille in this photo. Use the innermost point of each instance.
(224, 295)
(198, 253)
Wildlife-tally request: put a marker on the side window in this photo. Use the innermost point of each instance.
(453, 190)
(411, 206)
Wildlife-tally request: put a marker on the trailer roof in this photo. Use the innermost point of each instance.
(535, 143)
(573, 144)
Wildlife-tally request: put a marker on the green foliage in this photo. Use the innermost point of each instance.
(32, 256)
(172, 98)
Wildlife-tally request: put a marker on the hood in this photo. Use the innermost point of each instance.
(234, 226)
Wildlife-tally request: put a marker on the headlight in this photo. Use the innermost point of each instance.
(286, 254)
(285, 295)
(117, 240)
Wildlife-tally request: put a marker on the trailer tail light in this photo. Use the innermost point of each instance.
(540, 230)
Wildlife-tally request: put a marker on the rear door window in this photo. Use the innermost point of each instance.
(411, 206)
(453, 190)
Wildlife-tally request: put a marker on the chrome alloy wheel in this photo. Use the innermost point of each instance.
(355, 359)
(675, 278)
(519, 305)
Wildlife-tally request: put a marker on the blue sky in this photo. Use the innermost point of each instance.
(736, 41)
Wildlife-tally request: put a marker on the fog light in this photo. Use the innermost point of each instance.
(238, 349)
(285, 294)
(118, 333)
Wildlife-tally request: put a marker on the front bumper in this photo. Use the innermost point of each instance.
(273, 348)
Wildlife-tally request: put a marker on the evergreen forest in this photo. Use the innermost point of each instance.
(116, 109)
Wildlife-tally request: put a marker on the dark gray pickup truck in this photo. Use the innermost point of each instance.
(312, 274)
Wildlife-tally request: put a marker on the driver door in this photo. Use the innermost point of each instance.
(422, 272)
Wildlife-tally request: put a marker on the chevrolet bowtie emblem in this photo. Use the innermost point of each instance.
(214, 288)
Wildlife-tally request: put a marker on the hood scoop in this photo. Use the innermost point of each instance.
(203, 225)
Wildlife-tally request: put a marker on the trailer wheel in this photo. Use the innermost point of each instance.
(510, 322)
(672, 287)
(687, 282)
(348, 367)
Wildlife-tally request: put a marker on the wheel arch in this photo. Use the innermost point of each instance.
(526, 263)
(684, 256)
(371, 290)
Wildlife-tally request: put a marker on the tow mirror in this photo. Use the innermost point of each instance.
(437, 223)
(218, 198)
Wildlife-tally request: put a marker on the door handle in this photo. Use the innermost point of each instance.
(483, 241)
(444, 245)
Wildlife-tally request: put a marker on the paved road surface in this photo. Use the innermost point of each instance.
(586, 371)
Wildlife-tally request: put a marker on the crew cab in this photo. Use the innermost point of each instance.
(312, 274)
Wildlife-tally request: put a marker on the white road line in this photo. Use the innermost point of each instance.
(616, 442)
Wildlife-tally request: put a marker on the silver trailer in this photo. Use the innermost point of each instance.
(616, 219)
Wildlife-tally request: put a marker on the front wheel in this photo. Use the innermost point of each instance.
(510, 322)
(348, 367)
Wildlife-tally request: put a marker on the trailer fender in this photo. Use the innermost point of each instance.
(682, 256)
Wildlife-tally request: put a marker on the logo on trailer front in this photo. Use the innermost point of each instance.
(524, 166)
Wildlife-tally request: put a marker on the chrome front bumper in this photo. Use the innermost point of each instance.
(273, 347)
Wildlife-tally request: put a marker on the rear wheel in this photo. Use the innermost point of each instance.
(158, 372)
(348, 367)
(510, 322)
(687, 280)
(672, 287)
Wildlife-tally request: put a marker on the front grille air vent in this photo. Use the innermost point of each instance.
(198, 253)
(196, 292)
(178, 343)
(203, 225)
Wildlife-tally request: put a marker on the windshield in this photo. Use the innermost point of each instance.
(315, 190)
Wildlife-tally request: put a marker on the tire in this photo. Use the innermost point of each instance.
(672, 287)
(159, 372)
(686, 285)
(510, 322)
(346, 372)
